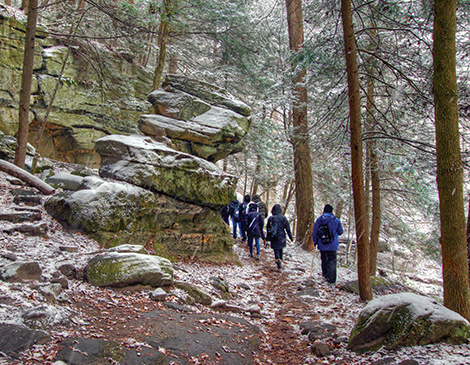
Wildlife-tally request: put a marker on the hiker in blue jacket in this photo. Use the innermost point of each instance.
(327, 243)
(277, 227)
(254, 223)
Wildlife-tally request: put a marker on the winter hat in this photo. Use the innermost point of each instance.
(247, 198)
(328, 209)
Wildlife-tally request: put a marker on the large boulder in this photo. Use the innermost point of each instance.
(118, 269)
(144, 162)
(116, 213)
(400, 320)
(89, 104)
(199, 118)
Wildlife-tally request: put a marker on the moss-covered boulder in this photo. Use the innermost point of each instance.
(120, 269)
(143, 162)
(400, 320)
(199, 118)
(119, 213)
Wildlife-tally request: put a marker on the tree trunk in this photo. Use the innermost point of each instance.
(163, 32)
(300, 140)
(27, 76)
(468, 236)
(30, 179)
(449, 162)
(357, 170)
(162, 39)
(8, 2)
(372, 153)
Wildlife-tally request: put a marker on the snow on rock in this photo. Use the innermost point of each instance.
(199, 118)
(118, 269)
(406, 319)
(146, 163)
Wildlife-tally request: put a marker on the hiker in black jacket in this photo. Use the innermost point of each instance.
(277, 227)
(254, 228)
(234, 212)
(243, 211)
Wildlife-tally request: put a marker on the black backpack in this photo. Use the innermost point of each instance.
(272, 231)
(324, 233)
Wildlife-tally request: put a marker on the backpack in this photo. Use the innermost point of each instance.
(324, 234)
(272, 231)
(242, 211)
(236, 215)
(252, 226)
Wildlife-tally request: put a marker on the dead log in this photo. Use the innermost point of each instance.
(25, 176)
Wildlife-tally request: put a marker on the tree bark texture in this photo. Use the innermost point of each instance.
(300, 139)
(27, 76)
(357, 170)
(449, 161)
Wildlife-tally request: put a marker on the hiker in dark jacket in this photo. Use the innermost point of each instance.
(234, 212)
(261, 206)
(254, 228)
(225, 215)
(243, 211)
(328, 249)
(280, 225)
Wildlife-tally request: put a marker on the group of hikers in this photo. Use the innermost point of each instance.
(248, 219)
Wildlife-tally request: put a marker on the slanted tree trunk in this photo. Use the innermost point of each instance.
(30, 179)
(363, 268)
(300, 140)
(449, 162)
(26, 80)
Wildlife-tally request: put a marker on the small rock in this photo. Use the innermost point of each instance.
(409, 362)
(128, 248)
(50, 291)
(29, 229)
(340, 339)
(62, 280)
(27, 199)
(20, 216)
(16, 338)
(218, 304)
(384, 361)
(68, 248)
(9, 256)
(68, 270)
(220, 284)
(254, 309)
(158, 295)
(320, 349)
(244, 286)
(21, 271)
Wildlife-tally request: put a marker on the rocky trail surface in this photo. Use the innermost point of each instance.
(260, 315)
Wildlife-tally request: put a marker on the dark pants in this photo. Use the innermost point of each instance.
(278, 253)
(328, 265)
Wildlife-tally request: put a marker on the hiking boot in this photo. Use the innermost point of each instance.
(257, 257)
(278, 262)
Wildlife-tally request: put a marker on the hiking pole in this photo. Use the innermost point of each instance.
(313, 258)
